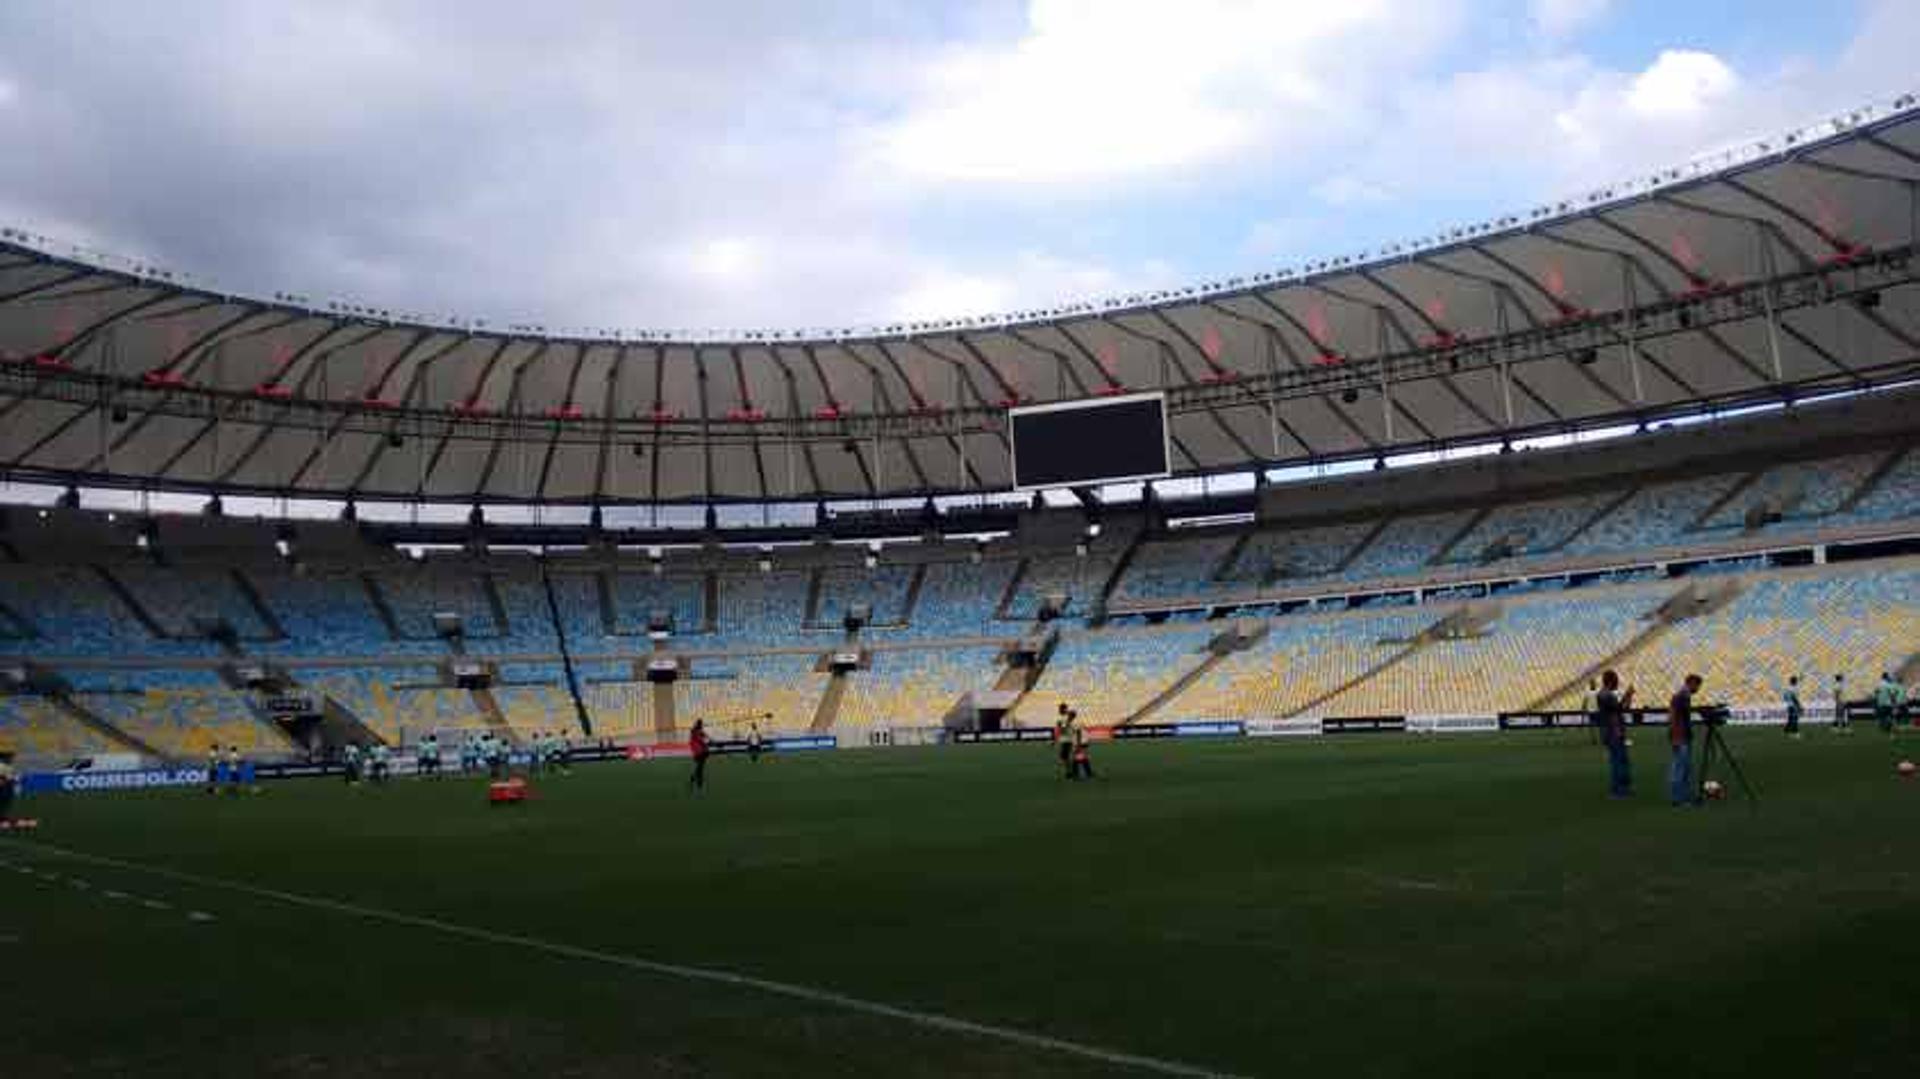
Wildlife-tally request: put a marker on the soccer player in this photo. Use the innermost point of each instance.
(213, 768)
(1063, 738)
(1082, 757)
(1590, 704)
(350, 763)
(1841, 724)
(8, 781)
(753, 742)
(427, 756)
(490, 752)
(697, 743)
(1680, 736)
(1888, 698)
(233, 769)
(1610, 706)
(382, 762)
(1792, 701)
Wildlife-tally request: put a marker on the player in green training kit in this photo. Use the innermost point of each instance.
(1791, 698)
(1888, 699)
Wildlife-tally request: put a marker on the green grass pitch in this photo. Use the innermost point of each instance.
(1342, 907)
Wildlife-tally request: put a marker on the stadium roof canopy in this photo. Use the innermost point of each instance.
(1775, 269)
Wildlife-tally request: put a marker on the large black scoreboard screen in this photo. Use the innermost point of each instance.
(1107, 440)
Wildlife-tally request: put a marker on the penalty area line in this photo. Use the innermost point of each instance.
(931, 1020)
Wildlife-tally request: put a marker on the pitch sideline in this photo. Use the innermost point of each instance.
(932, 1020)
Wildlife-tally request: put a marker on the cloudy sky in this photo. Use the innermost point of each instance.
(732, 163)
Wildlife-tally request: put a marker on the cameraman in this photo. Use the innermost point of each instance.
(1610, 717)
(1680, 734)
(8, 782)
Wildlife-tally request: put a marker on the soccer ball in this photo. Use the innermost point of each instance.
(1712, 788)
(1905, 768)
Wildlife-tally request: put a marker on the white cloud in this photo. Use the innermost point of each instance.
(1560, 18)
(728, 259)
(1680, 82)
(1347, 190)
(764, 164)
(1124, 88)
(1029, 279)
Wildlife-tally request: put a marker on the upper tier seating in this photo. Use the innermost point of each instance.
(957, 599)
(326, 612)
(77, 614)
(1295, 554)
(1802, 490)
(175, 597)
(529, 628)
(1406, 545)
(1897, 494)
(758, 606)
(1173, 568)
(883, 589)
(637, 593)
(1531, 528)
(414, 594)
(1078, 578)
(1656, 515)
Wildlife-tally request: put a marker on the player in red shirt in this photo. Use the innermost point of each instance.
(697, 742)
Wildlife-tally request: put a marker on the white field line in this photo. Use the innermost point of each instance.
(933, 1020)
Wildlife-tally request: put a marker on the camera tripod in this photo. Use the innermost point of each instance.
(1715, 748)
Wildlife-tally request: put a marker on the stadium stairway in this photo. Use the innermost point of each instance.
(490, 591)
(1223, 571)
(665, 715)
(1600, 513)
(339, 726)
(603, 597)
(380, 607)
(1909, 670)
(1463, 620)
(133, 606)
(815, 581)
(828, 709)
(1872, 481)
(1107, 588)
(911, 604)
(12, 625)
(80, 714)
(489, 706)
(1360, 548)
(1002, 610)
(1467, 528)
(1237, 639)
(251, 593)
(1686, 603)
(1727, 498)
